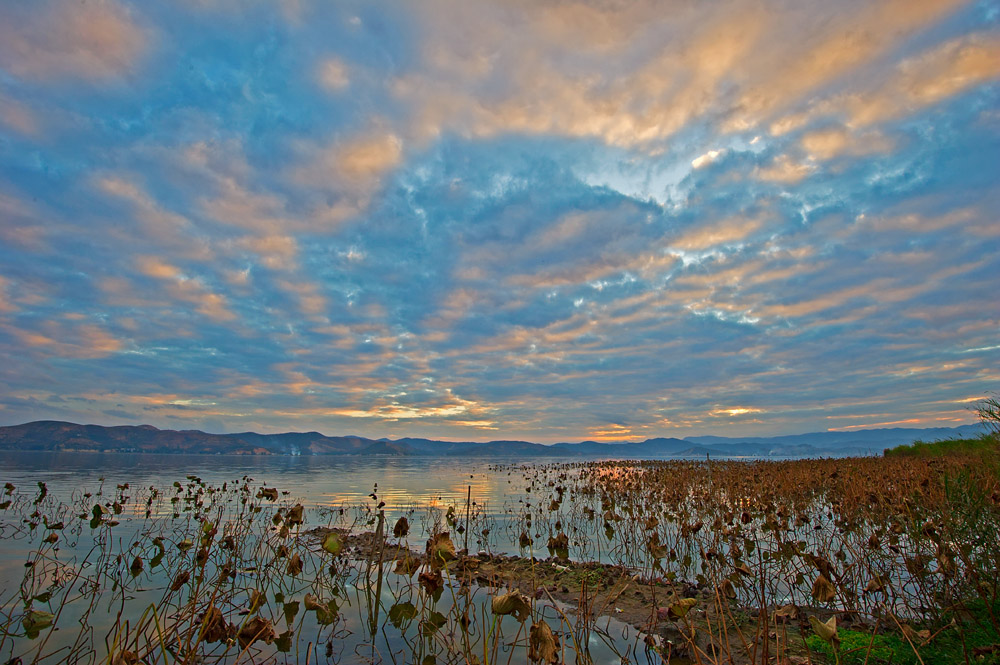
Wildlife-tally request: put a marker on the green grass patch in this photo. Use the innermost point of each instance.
(984, 444)
(953, 644)
(858, 648)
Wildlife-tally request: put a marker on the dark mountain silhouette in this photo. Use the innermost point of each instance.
(55, 435)
(61, 436)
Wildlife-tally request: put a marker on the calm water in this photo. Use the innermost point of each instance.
(328, 481)
(421, 488)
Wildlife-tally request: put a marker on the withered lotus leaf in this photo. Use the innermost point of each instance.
(542, 645)
(440, 549)
(787, 613)
(824, 567)
(826, 630)
(407, 565)
(294, 515)
(680, 608)
(256, 629)
(294, 565)
(214, 626)
(125, 657)
(946, 565)
(431, 581)
(512, 602)
(918, 637)
(823, 590)
(558, 545)
(256, 600)
(875, 584)
(401, 528)
(326, 613)
(179, 581)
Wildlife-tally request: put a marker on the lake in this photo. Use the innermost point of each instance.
(490, 497)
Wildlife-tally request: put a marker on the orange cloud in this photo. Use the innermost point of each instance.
(742, 63)
(186, 289)
(276, 252)
(929, 78)
(829, 143)
(353, 166)
(727, 231)
(68, 340)
(166, 228)
(95, 40)
(784, 170)
(612, 432)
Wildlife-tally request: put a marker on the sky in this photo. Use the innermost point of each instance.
(469, 220)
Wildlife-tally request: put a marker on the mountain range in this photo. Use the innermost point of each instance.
(50, 435)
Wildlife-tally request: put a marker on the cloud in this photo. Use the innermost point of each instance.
(63, 40)
(165, 229)
(546, 221)
(355, 164)
(23, 224)
(332, 75)
(18, 116)
(928, 78)
(274, 252)
(826, 144)
(65, 338)
(784, 170)
(637, 77)
(727, 231)
(186, 289)
(935, 75)
(311, 301)
(707, 158)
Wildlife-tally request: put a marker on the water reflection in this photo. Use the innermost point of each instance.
(402, 483)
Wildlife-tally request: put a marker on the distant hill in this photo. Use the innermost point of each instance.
(55, 435)
(61, 436)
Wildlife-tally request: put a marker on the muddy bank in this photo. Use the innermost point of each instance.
(591, 590)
